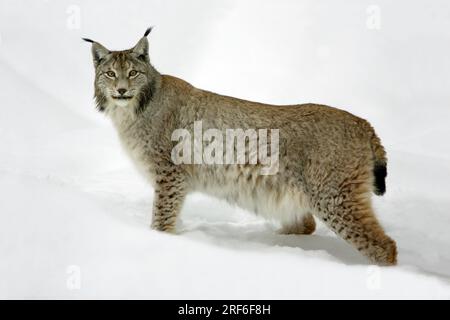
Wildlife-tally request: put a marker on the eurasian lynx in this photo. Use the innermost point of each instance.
(328, 160)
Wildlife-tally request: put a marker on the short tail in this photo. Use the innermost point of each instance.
(380, 173)
(380, 165)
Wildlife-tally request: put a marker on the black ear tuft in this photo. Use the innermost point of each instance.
(147, 32)
(88, 40)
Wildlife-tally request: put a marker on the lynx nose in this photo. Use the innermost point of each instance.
(121, 91)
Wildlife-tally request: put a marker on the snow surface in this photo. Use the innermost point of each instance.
(74, 214)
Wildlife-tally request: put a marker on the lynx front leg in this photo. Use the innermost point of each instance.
(170, 193)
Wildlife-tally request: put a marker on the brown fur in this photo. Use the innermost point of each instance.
(326, 160)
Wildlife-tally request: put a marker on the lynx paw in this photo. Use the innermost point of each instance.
(384, 253)
(306, 226)
(167, 228)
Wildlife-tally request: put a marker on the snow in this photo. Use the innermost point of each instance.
(74, 214)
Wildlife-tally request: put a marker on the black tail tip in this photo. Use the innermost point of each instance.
(380, 173)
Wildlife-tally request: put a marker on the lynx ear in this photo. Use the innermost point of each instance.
(99, 52)
(141, 48)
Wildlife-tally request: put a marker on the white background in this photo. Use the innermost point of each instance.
(74, 214)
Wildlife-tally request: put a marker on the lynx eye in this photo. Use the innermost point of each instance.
(111, 74)
(132, 73)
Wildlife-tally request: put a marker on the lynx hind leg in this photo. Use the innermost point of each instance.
(305, 225)
(349, 214)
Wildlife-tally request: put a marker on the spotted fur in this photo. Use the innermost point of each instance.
(329, 158)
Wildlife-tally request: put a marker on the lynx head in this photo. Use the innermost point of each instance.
(123, 79)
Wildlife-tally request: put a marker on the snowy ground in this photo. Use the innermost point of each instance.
(74, 214)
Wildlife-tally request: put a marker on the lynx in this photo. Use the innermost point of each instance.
(329, 161)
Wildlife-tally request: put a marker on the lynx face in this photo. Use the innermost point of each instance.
(122, 78)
